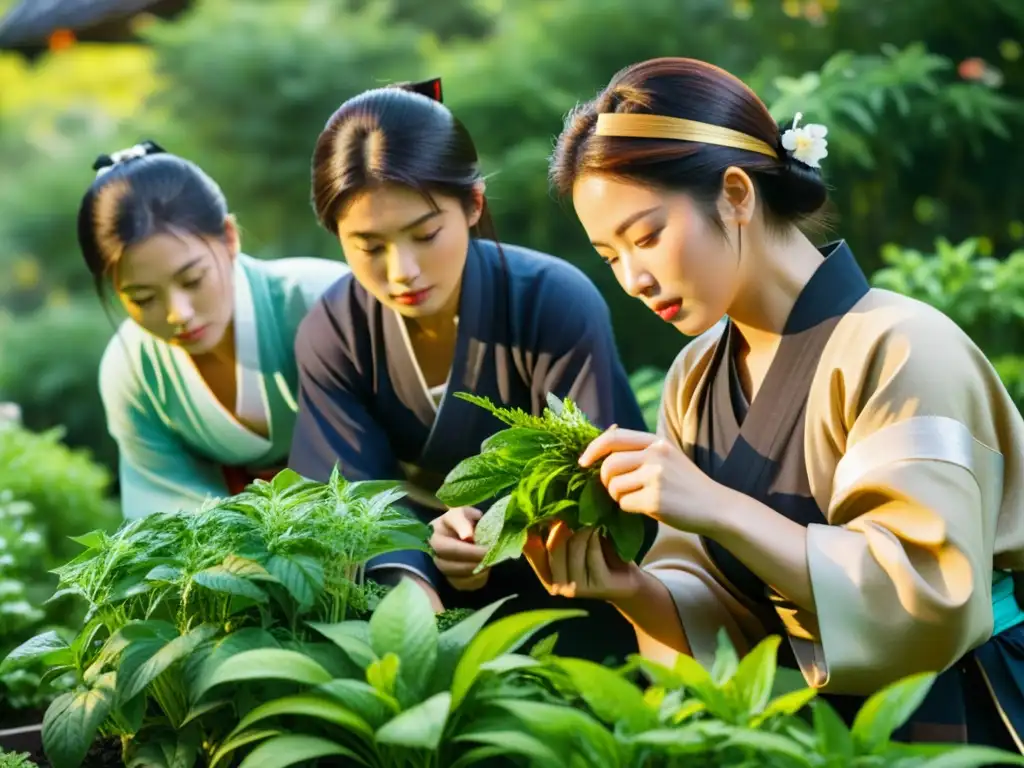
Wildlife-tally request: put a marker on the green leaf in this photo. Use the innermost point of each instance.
(488, 527)
(833, 735)
(352, 637)
(693, 739)
(285, 479)
(962, 756)
(230, 745)
(503, 636)
(200, 665)
(72, 720)
(755, 676)
(382, 674)
(91, 540)
(179, 749)
(513, 742)
(132, 685)
(301, 575)
(308, 705)
(567, 731)
(49, 648)
(366, 701)
(517, 444)
(453, 641)
(596, 505)
(611, 697)
(698, 681)
(220, 579)
(419, 727)
(769, 744)
(888, 709)
(555, 405)
(404, 624)
(265, 664)
(282, 751)
(626, 531)
(474, 480)
(726, 661)
(509, 545)
(785, 705)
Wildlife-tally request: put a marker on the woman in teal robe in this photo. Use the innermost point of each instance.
(199, 383)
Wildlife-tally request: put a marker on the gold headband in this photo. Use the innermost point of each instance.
(640, 126)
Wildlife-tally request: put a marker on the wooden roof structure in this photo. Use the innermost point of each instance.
(31, 26)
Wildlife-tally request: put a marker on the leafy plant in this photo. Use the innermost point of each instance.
(536, 459)
(419, 698)
(170, 595)
(16, 760)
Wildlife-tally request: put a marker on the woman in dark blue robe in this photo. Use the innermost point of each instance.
(432, 308)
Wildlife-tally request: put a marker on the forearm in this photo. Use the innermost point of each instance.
(651, 610)
(772, 546)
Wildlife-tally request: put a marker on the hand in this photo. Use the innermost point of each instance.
(456, 556)
(647, 475)
(581, 564)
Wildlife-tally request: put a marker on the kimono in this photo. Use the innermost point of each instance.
(528, 324)
(883, 430)
(178, 445)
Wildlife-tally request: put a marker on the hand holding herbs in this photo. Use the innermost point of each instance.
(535, 462)
(455, 553)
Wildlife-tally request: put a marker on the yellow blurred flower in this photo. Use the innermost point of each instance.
(1016, 230)
(1010, 50)
(58, 298)
(742, 9)
(25, 272)
(792, 8)
(829, 6)
(985, 246)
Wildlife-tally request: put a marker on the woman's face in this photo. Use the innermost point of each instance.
(180, 288)
(662, 248)
(407, 253)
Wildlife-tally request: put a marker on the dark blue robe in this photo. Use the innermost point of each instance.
(529, 324)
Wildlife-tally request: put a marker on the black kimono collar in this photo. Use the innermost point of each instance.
(835, 287)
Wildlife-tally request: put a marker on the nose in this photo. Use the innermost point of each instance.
(403, 267)
(179, 309)
(636, 280)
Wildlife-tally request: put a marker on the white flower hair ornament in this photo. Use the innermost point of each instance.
(806, 144)
(106, 162)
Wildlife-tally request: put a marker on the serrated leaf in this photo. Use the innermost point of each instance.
(509, 545)
(474, 480)
(72, 720)
(301, 575)
(488, 527)
(595, 503)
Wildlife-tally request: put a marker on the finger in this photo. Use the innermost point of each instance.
(621, 462)
(619, 486)
(448, 548)
(557, 553)
(463, 521)
(639, 503)
(455, 569)
(536, 554)
(597, 560)
(613, 440)
(579, 572)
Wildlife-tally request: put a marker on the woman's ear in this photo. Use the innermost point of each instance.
(232, 238)
(476, 205)
(737, 201)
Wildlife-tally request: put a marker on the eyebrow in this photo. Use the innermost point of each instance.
(411, 225)
(629, 221)
(130, 287)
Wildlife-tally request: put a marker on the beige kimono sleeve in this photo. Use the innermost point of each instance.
(679, 559)
(917, 450)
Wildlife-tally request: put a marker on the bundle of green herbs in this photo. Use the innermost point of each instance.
(535, 464)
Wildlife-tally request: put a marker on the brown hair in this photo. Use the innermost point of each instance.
(396, 134)
(792, 192)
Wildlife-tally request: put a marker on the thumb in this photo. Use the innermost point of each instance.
(463, 522)
(536, 554)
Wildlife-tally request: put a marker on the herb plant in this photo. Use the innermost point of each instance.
(171, 594)
(536, 460)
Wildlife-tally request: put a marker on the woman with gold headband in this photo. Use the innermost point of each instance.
(199, 384)
(835, 464)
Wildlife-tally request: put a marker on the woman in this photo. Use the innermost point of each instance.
(835, 464)
(199, 383)
(431, 309)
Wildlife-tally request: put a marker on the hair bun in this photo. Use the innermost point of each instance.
(143, 148)
(800, 189)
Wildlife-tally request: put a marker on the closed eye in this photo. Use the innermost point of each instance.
(427, 238)
(373, 250)
(650, 240)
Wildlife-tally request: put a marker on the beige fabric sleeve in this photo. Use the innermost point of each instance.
(931, 463)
